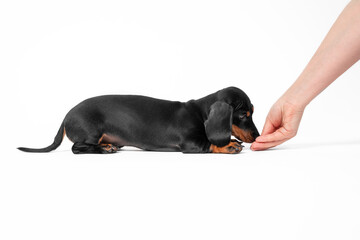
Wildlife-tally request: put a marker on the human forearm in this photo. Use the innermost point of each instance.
(339, 51)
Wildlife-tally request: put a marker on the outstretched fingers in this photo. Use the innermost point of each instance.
(271, 140)
(259, 146)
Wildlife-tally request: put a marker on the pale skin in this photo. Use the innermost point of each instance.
(338, 52)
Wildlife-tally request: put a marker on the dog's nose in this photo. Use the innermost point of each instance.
(256, 134)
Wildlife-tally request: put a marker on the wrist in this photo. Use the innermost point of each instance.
(296, 98)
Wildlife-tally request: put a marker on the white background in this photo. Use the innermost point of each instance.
(54, 54)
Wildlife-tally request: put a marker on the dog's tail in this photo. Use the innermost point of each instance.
(57, 141)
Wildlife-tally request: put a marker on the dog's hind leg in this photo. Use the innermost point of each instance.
(83, 148)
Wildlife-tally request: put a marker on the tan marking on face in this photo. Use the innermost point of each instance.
(241, 134)
(248, 114)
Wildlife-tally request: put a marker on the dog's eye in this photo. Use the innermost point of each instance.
(242, 116)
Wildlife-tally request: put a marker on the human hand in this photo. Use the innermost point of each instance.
(281, 124)
(337, 53)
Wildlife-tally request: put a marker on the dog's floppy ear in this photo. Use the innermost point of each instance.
(219, 123)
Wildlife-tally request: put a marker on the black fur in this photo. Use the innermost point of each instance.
(104, 124)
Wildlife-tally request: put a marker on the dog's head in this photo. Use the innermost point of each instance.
(230, 114)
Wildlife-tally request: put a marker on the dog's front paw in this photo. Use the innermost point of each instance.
(233, 147)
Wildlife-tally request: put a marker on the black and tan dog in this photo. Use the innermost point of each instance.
(104, 124)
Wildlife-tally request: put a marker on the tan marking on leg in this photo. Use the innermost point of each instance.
(101, 138)
(109, 148)
(106, 138)
(233, 147)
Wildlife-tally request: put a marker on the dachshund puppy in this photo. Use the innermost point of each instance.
(104, 124)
